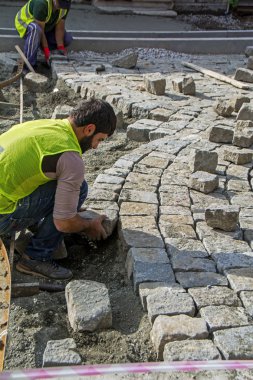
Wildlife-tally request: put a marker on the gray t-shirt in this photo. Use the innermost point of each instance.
(68, 169)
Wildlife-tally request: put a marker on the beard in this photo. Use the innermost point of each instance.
(86, 143)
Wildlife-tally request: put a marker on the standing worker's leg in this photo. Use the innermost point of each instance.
(32, 42)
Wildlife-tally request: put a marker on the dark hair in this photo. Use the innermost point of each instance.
(95, 111)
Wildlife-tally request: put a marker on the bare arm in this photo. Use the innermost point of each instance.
(43, 37)
(59, 32)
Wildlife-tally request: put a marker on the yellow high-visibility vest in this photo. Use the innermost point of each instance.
(22, 149)
(24, 17)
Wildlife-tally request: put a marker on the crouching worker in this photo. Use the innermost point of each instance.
(42, 24)
(42, 182)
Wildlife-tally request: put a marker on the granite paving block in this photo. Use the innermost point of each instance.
(238, 185)
(243, 132)
(177, 231)
(143, 272)
(244, 75)
(247, 301)
(174, 210)
(88, 305)
(235, 343)
(143, 178)
(111, 179)
(136, 222)
(175, 199)
(183, 246)
(176, 328)
(150, 256)
(203, 181)
(233, 260)
(191, 350)
(203, 231)
(137, 208)
(203, 160)
(61, 353)
(224, 317)
(221, 134)
(141, 239)
(237, 156)
(199, 279)
(156, 162)
(222, 217)
(155, 83)
(224, 244)
(182, 262)
(176, 219)
(214, 296)
(201, 201)
(223, 108)
(246, 112)
(164, 302)
(102, 195)
(238, 101)
(240, 279)
(148, 288)
(137, 196)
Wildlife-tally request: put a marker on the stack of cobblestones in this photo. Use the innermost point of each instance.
(188, 251)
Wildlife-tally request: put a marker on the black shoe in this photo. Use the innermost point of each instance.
(48, 269)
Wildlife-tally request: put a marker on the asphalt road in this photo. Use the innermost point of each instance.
(86, 17)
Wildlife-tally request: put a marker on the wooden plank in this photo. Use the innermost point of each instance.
(214, 74)
(5, 299)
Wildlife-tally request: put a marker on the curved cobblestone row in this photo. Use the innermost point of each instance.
(194, 281)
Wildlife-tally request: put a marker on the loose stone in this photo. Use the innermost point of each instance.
(238, 156)
(155, 84)
(239, 101)
(128, 61)
(88, 305)
(203, 181)
(244, 75)
(225, 218)
(61, 353)
(221, 134)
(202, 160)
(223, 108)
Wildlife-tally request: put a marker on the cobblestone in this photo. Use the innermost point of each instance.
(158, 212)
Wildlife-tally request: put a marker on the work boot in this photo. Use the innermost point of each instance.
(24, 238)
(48, 269)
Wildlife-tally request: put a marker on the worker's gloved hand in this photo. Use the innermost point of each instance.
(62, 50)
(47, 55)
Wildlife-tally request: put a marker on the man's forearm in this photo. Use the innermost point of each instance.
(91, 228)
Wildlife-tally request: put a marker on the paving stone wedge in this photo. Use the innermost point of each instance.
(191, 350)
(235, 343)
(176, 328)
(214, 296)
(165, 302)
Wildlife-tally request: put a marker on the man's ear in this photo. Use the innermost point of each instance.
(89, 130)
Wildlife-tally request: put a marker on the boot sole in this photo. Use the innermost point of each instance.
(31, 273)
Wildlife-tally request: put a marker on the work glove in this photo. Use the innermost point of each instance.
(47, 55)
(62, 50)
